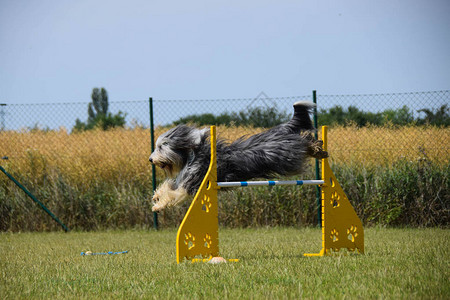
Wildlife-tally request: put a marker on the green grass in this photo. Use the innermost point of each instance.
(399, 263)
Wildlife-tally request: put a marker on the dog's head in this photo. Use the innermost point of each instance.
(175, 147)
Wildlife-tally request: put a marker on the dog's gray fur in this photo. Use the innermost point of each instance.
(184, 154)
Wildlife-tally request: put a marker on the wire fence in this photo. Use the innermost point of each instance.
(399, 137)
(42, 147)
(390, 143)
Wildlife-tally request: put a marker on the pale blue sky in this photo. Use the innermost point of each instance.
(57, 51)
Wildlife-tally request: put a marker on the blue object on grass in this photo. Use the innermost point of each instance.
(103, 253)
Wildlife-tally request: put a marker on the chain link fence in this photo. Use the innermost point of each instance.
(89, 179)
(402, 109)
(398, 137)
(107, 174)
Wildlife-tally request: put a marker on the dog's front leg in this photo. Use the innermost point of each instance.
(168, 195)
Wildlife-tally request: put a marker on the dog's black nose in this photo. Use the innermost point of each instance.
(150, 160)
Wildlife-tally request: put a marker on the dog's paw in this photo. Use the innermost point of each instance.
(157, 203)
(315, 150)
(155, 200)
(162, 198)
(320, 155)
(166, 196)
(157, 207)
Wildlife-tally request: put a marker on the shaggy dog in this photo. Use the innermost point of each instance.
(184, 153)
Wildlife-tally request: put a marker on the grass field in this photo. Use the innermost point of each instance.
(399, 263)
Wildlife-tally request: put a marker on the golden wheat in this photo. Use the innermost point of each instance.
(385, 145)
(375, 145)
(120, 153)
(81, 156)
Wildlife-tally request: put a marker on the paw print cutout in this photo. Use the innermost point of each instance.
(335, 199)
(352, 233)
(208, 186)
(206, 203)
(334, 235)
(207, 240)
(189, 240)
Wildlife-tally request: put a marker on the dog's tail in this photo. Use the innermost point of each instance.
(301, 120)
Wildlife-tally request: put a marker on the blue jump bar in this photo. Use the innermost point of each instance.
(269, 183)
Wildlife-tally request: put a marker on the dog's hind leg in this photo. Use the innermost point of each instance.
(168, 195)
(315, 150)
(315, 147)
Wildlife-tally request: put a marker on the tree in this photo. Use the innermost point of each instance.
(98, 115)
(401, 116)
(99, 104)
(438, 117)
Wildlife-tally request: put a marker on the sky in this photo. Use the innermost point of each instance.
(57, 51)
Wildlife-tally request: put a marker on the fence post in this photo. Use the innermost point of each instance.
(2, 116)
(318, 175)
(152, 141)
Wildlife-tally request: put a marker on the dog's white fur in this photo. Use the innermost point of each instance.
(166, 195)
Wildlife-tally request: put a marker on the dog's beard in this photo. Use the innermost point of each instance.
(170, 170)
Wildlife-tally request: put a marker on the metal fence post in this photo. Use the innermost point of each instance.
(316, 134)
(152, 140)
(2, 116)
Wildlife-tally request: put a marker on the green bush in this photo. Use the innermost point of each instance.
(252, 117)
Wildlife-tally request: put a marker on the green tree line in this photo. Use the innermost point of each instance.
(336, 115)
(255, 117)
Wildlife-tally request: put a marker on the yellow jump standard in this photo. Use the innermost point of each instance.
(341, 227)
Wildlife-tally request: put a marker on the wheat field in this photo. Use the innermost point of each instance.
(124, 153)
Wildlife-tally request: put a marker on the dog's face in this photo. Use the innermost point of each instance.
(174, 148)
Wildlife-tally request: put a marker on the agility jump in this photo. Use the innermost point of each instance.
(198, 234)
